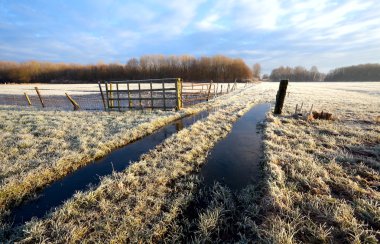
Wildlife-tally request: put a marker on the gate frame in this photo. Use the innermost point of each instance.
(109, 98)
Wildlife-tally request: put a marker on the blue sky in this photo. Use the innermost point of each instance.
(324, 33)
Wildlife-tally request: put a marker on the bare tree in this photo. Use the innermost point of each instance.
(362, 72)
(218, 68)
(256, 70)
(297, 73)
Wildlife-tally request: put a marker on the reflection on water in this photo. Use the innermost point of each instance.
(234, 161)
(119, 159)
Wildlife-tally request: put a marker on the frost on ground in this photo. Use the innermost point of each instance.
(322, 177)
(320, 181)
(38, 147)
(140, 203)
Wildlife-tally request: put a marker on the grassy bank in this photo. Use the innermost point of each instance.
(140, 203)
(323, 176)
(320, 179)
(38, 147)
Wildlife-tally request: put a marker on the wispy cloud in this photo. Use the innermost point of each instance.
(274, 32)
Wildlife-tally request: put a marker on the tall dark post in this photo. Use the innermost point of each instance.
(281, 93)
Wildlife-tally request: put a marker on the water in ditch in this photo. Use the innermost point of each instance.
(234, 161)
(79, 180)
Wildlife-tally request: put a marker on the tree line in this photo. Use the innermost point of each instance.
(297, 73)
(362, 72)
(218, 68)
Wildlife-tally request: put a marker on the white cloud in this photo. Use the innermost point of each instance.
(256, 14)
(209, 23)
(178, 16)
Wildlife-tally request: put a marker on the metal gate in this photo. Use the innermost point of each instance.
(163, 94)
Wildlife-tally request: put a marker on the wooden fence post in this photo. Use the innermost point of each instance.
(27, 99)
(73, 102)
(151, 95)
(181, 92)
(111, 95)
(118, 96)
(140, 95)
(163, 94)
(101, 93)
(280, 98)
(129, 97)
(108, 100)
(209, 90)
(178, 86)
(39, 96)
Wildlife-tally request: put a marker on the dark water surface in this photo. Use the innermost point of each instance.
(234, 161)
(79, 180)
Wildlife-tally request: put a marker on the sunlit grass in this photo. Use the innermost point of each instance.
(140, 203)
(320, 180)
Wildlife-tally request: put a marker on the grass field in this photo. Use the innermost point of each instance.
(319, 183)
(322, 177)
(39, 147)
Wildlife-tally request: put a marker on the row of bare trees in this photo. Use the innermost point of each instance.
(362, 72)
(218, 68)
(297, 73)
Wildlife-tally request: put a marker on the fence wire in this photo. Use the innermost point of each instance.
(88, 96)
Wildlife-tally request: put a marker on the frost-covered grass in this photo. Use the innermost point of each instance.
(319, 184)
(140, 203)
(38, 147)
(320, 179)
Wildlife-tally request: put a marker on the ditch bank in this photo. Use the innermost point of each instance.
(91, 174)
(231, 180)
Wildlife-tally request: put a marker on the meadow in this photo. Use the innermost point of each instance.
(319, 180)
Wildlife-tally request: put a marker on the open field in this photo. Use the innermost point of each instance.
(319, 183)
(39, 147)
(323, 177)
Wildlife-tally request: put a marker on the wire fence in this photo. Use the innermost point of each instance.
(59, 102)
(135, 95)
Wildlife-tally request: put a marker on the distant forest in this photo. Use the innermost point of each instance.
(362, 72)
(298, 73)
(217, 68)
